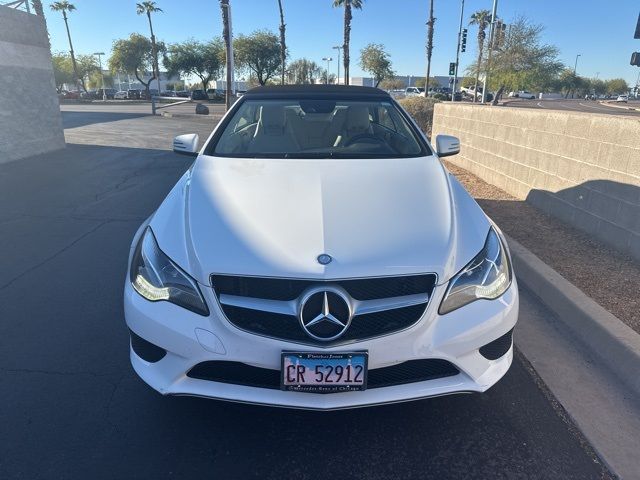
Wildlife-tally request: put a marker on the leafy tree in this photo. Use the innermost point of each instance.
(87, 65)
(323, 77)
(430, 24)
(303, 71)
(567, 82)
(147, 8)
(481, 18)
(598, 86)
(523, 62)
(95, 80)
(283, 43)
(421, 82)
(64, 7)
(62, 70)
(134, 56)
(259, 53)
(374, 60)
(348, 5)
(617, 86)
(203, 60)
(394, 84)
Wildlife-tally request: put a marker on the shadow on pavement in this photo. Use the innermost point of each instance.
(80, 119)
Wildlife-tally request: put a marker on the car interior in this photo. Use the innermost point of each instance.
(317, 128)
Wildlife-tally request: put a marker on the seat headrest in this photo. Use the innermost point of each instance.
(272, 118)
(357, 119)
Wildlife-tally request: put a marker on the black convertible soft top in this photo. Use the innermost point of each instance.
(317, 90)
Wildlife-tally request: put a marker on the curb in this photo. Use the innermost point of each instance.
(611, 341)
(613, 105)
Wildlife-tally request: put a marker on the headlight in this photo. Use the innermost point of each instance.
(488, 276)
(155, 277)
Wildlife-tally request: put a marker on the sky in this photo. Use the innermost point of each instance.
(600, 31)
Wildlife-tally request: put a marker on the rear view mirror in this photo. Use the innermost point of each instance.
(447, 145)
(186, 144)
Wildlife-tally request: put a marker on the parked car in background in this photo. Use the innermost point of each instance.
(133, 94)
(89, 95)
(182, 94)
(236, 293)
(67, 95)
(414, 92)
(168, 93)
(526, 95)
(199, 95)
(622, 99)
(108, 92)
(121, 95)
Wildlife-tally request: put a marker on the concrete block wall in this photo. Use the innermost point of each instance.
(582, 168)
(30, 120)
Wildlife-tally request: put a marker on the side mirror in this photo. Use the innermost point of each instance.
(186, 144)
(447, 145)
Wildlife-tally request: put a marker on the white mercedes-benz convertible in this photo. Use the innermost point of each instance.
(317, 254)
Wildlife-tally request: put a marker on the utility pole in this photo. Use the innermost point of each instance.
(228, 40)
(339, 48)
(99, 55)
(455, 76)
(575, 65)
(494, 14)
(327, 59)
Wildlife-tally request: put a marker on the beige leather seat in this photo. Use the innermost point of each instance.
(356, 123)
(273, 133)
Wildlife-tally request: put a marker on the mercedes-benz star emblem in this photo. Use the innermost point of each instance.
(324, 259)
(325, 314)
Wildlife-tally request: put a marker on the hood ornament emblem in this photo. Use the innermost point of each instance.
(324, 259)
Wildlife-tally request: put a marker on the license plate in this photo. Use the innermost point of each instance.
(324, 372)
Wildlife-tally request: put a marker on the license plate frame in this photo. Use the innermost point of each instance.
(311, 359)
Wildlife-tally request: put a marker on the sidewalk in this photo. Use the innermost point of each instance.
(610, 278)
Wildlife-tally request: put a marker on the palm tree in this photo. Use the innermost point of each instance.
(147, 8)
(38, 8)
(347, 4)
(481, 18)
(64, 7)
(430, 24)
(283, 45)
(226, 34)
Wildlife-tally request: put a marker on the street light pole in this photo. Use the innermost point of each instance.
(339, 48)
(455, 76)
(327, 59)
(575, 66)
(99, 55)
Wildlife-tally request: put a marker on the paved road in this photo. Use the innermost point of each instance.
(73, 408)
(136, 107)
(576, 105)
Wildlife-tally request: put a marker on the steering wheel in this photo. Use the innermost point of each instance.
(364, 136)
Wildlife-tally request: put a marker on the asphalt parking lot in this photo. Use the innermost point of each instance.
(578, 105)
(73, 408)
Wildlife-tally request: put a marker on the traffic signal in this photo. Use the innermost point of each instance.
(635, 59)
(637, 34)
(499, 34)
(463, 45)
(452, 68)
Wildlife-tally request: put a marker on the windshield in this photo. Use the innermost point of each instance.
(317, 128)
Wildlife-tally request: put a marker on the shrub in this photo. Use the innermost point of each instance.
(421, 109)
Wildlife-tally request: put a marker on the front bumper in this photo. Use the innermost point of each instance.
(190, 339)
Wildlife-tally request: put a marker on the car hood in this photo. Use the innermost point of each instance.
(273, 217)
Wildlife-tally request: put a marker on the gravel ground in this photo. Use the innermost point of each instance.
(582, 260)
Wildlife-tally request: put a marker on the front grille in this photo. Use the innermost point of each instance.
(497, 348)
(286, 326)
(237, 373)
(288, 289)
